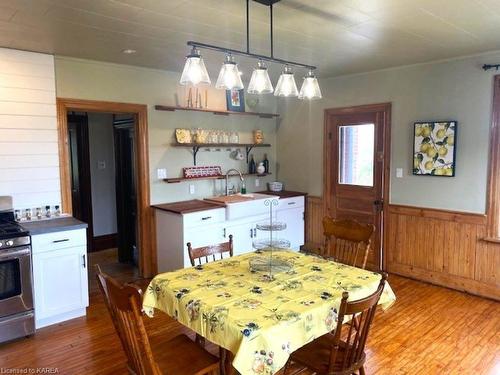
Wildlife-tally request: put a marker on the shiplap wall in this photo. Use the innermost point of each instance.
(29, 162)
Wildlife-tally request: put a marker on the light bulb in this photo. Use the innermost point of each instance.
(310, 87)
(194, 71)
(260, 82)
(229, 76)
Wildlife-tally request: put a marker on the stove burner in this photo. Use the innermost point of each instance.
(9, 228)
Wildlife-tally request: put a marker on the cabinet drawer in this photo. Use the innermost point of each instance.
(293, 202)
(217, 215)
(58, 240)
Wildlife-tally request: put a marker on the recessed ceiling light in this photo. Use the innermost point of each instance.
(129, 51)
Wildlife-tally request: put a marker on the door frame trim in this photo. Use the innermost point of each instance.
(146, 230)
(385, 108)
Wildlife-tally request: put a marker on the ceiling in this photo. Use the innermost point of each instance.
(338, 36)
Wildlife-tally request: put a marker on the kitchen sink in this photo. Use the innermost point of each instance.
(242, 205)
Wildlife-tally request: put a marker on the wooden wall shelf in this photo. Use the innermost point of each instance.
(222, 177)
(215, 111)
(196, 147)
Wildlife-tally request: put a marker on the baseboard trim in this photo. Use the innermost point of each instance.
(450, 281)
(107, 241)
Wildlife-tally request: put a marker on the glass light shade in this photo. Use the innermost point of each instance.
(229, 76)
(286, 85)
(194, 71)
(260, 82)
(310, 87)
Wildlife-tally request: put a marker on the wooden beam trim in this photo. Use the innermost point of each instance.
(493, 195)
(434, 213)
(147, 244)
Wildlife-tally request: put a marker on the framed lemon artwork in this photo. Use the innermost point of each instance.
(434, 148)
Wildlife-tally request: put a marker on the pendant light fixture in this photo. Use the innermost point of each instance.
(260, 82)
(194, 72)
(310, 87)
(286, 85)
(229, 75)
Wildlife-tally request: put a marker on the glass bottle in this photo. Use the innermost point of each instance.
(266, 163)
(252, 168)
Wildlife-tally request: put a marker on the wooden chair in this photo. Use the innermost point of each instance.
(207, 251)
(204, 252)
(342, 354)
(347, 241)
(178, 355)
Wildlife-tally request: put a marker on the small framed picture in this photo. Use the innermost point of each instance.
(434, 148)
(235, 100)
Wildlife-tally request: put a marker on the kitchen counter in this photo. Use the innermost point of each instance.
(53, 225)
(284, 193)
(185, 207)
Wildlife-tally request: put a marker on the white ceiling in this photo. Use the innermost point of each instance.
(339, 36)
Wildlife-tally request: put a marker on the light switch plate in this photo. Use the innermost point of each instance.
(161, 173)
(101, 164)
(399, 172)
(191, 189)
(257, 182)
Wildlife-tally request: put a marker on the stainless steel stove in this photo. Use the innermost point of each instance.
(16, 291)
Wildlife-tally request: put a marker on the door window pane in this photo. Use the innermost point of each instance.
(356, 145)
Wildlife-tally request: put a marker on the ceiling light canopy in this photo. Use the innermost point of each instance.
(310, 87)
(260, 83)
(229, 75)
(195, 72)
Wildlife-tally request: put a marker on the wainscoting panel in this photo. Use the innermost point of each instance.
(443, 247)
(437, 246)
(314, 225)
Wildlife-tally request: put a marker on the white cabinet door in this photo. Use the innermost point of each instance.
(60, 281)
(243, 235)
(294, 232)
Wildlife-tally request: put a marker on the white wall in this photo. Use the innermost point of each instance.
(85, 79)
(101, 148)
(456, 90)
(29, 161)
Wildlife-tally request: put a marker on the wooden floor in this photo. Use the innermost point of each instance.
(429, 330)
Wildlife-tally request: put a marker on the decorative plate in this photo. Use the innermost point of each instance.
(183, 135)
(197, 172)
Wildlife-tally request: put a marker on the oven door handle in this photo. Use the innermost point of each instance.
(13, 254)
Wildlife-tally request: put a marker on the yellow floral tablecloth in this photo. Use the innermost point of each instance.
(260, 321)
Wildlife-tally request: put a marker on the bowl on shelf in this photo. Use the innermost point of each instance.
(275, 186)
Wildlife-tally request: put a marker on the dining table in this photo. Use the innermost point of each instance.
(260, 317)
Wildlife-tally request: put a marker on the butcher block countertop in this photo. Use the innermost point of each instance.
(186, 207)
(284, 193)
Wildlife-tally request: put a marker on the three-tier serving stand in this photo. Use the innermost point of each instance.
(264, 261)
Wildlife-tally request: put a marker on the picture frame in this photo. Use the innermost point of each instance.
(434, 148)
(235, 100)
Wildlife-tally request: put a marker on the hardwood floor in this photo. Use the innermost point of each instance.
(429, 330)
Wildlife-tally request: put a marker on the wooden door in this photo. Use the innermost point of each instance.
(81, 194)
(357, 170)
(126, 192)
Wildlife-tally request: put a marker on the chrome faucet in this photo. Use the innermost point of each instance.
(227, 178)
